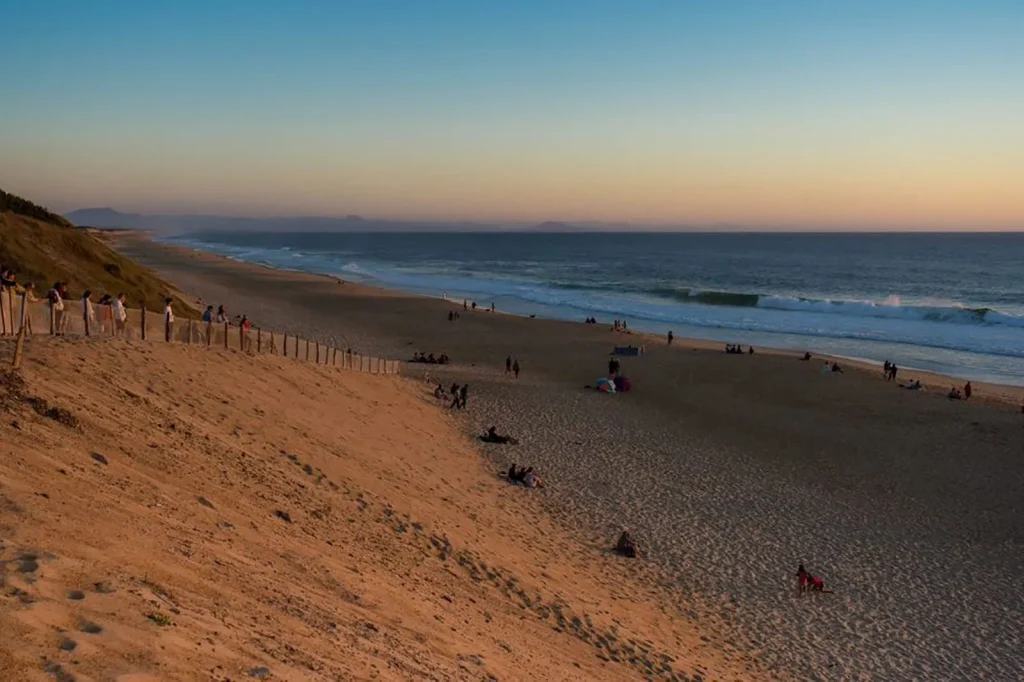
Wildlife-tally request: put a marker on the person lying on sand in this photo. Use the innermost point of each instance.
(912, 385)
(492, 436)
(626, 546)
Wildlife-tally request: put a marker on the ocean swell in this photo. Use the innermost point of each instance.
(892, 308)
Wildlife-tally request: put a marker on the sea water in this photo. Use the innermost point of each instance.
(949, 303)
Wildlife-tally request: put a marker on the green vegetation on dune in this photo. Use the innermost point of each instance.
(44, 248)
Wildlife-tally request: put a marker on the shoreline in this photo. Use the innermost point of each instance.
(1008, 394)
(959, 364)
(729, 470)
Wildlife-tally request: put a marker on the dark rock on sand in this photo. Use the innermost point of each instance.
(99, 458)
(260, 673)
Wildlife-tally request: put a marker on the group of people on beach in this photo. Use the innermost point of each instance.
(220, 317)
(429, 359)
(736, 349)
(471, 305)
(620, 326)
(512, 366)
(956, 394)
(889, 369)
(453, 315)
(525, 476)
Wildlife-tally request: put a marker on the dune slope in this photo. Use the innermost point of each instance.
(174, 513)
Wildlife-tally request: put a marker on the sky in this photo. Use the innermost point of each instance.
(774, 115)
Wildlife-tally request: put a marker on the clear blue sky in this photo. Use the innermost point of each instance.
(803, 114)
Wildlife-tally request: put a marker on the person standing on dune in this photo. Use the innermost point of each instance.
(508, 365)
(462, 396)
(515, 368)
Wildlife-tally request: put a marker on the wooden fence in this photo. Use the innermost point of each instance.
(21, 317)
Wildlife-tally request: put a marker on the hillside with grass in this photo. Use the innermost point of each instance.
(44, 248)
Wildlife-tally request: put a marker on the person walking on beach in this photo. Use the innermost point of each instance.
(671, 337)
(462, 396)
(88, 312)
(967, 391)
(885, 370)
(455, 397)
(892, 371)
(613, 366)
(120, 315)
(62, 313)
(168, 319)
(208, 315)
(515, 368)
(508, 365)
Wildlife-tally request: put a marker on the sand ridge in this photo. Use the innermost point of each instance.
(206, 515)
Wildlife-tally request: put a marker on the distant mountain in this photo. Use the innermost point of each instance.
(109, 218)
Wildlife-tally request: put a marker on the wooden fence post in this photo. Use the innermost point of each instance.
(19, 347)
(226, 332)
(284, 347)
(143, 321)
(209, 332)
(259, 341)
(23, 318)
(318, 352)
(307, 350)
(296, 347)
(334, 357)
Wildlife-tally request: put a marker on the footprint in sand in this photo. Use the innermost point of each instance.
(91, 628)
(76, 595)
(68, 644)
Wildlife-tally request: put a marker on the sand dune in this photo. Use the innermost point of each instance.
(174, 513)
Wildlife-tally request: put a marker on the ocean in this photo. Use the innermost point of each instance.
(948, 303)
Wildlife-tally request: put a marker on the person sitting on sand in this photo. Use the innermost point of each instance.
(807, 357)
(914, 385)
(750, 351)
(836, 368)
(626, 546)
(815, 583)
(531, 479)
(439, 392)
(803, 578)
(954, 393)
(431, 359)
(513, 473)
(443, 359)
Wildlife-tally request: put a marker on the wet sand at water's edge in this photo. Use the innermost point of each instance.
(729, 469)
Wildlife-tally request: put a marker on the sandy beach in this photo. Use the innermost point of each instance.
(731, 470)
(175, 513)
